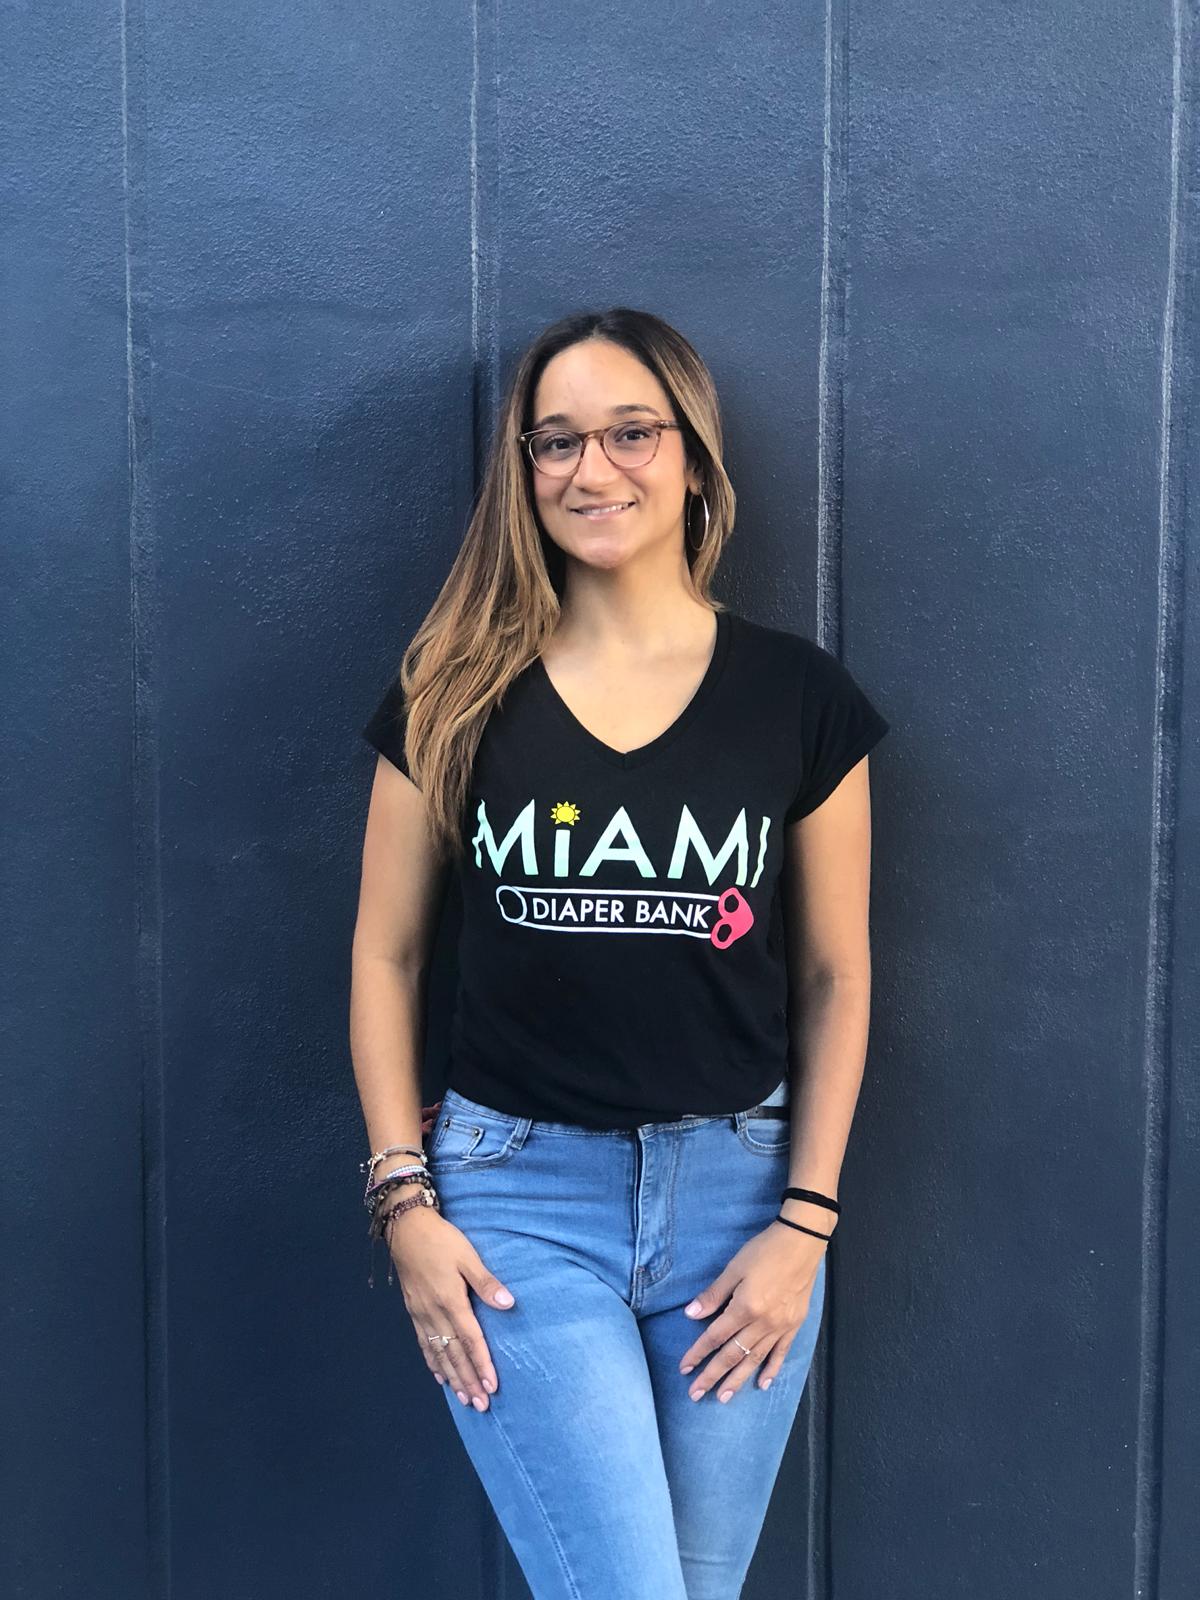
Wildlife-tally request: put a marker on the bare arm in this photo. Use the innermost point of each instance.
(827, 891)
(400, 899)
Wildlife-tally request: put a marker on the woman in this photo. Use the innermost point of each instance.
(613, 1248)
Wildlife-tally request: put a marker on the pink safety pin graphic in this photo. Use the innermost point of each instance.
(736, 919)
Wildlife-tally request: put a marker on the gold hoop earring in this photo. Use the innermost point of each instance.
(687, 523)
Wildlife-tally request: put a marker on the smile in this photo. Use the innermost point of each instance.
(602, 513)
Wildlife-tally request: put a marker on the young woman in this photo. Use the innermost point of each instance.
(613, 1246)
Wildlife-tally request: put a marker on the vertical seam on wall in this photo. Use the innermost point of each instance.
(831, 364)
(831, 378)
(1168, 678)
(147, 950)
(485, 229)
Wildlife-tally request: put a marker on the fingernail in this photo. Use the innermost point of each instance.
(767, 1382)
(692, 1310)
(461, 1396)
(696, 1393)
(686, 1370)
(726, 1394)
(490, 1385)
(479, 1402)
(503, 1298)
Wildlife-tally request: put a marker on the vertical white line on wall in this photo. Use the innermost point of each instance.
(823, 349)
(1164, 801)
(485, 224)
(818, 1577)
(147, 849)
(496, 1559)
(474, 165)
(831, 354)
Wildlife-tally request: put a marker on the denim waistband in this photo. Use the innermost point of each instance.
(778, 1096)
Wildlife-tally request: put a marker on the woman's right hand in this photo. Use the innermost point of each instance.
(437, 1266)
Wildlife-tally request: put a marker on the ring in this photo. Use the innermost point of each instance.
(442, 1338)
(740, 1345)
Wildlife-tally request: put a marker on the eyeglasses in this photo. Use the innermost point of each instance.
(557, 451)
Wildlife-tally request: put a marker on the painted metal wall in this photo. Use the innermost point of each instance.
(265, 268)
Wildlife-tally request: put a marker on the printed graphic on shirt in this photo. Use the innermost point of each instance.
(721, 916)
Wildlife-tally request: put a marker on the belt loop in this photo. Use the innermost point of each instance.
(520, 1132)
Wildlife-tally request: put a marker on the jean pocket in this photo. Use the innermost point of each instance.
(765, 1136)
(464, 1138)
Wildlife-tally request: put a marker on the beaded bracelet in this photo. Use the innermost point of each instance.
(392, 1149)
(395, 1182)
(427, 1197)
(411, 1170)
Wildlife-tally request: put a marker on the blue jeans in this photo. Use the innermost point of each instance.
(610, 1482)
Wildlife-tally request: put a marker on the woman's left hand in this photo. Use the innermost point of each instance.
(768, 1285)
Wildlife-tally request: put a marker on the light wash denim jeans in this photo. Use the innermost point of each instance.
(609, 1481)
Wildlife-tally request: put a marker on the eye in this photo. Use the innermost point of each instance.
(633, 433)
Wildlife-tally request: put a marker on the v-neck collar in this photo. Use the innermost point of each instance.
(643, 752)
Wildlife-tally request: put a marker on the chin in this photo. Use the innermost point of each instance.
(607, 549)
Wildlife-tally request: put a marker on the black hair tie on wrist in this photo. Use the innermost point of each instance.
(811, 1194)
(789, 1224)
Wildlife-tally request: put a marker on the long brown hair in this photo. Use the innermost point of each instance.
(500, 602)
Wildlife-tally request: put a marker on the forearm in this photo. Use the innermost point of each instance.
(387, 1045)
(828, 1054)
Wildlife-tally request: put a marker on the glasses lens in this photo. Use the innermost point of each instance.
(555, 452)
(631, 444)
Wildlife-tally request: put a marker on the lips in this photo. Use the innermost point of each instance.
(600, 511)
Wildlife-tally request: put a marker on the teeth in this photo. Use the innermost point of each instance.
(592, 511)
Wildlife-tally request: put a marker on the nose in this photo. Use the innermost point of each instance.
(594, 466)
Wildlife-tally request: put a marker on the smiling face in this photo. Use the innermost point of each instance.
(582, 387)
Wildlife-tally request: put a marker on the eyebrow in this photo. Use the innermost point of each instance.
(615, 411)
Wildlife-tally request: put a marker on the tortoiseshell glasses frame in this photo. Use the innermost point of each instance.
(602, 434)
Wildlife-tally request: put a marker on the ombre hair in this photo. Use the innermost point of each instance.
(500, 602)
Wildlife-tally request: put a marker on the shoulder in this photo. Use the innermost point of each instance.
(810, 682)
(791, 655)
(831, 723)
(387, 727)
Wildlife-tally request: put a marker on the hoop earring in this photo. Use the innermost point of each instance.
(687, 523)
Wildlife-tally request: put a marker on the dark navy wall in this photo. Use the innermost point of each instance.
(266, 268)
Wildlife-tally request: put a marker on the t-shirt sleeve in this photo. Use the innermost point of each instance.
(387, 726)
(838, 726)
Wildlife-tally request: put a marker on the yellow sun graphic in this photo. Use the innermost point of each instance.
(565, 811)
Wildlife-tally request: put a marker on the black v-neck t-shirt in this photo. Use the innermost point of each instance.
(622, 953)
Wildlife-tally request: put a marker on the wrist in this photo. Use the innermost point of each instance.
(413, 1202)
(809, 1214)
(391, 1190)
